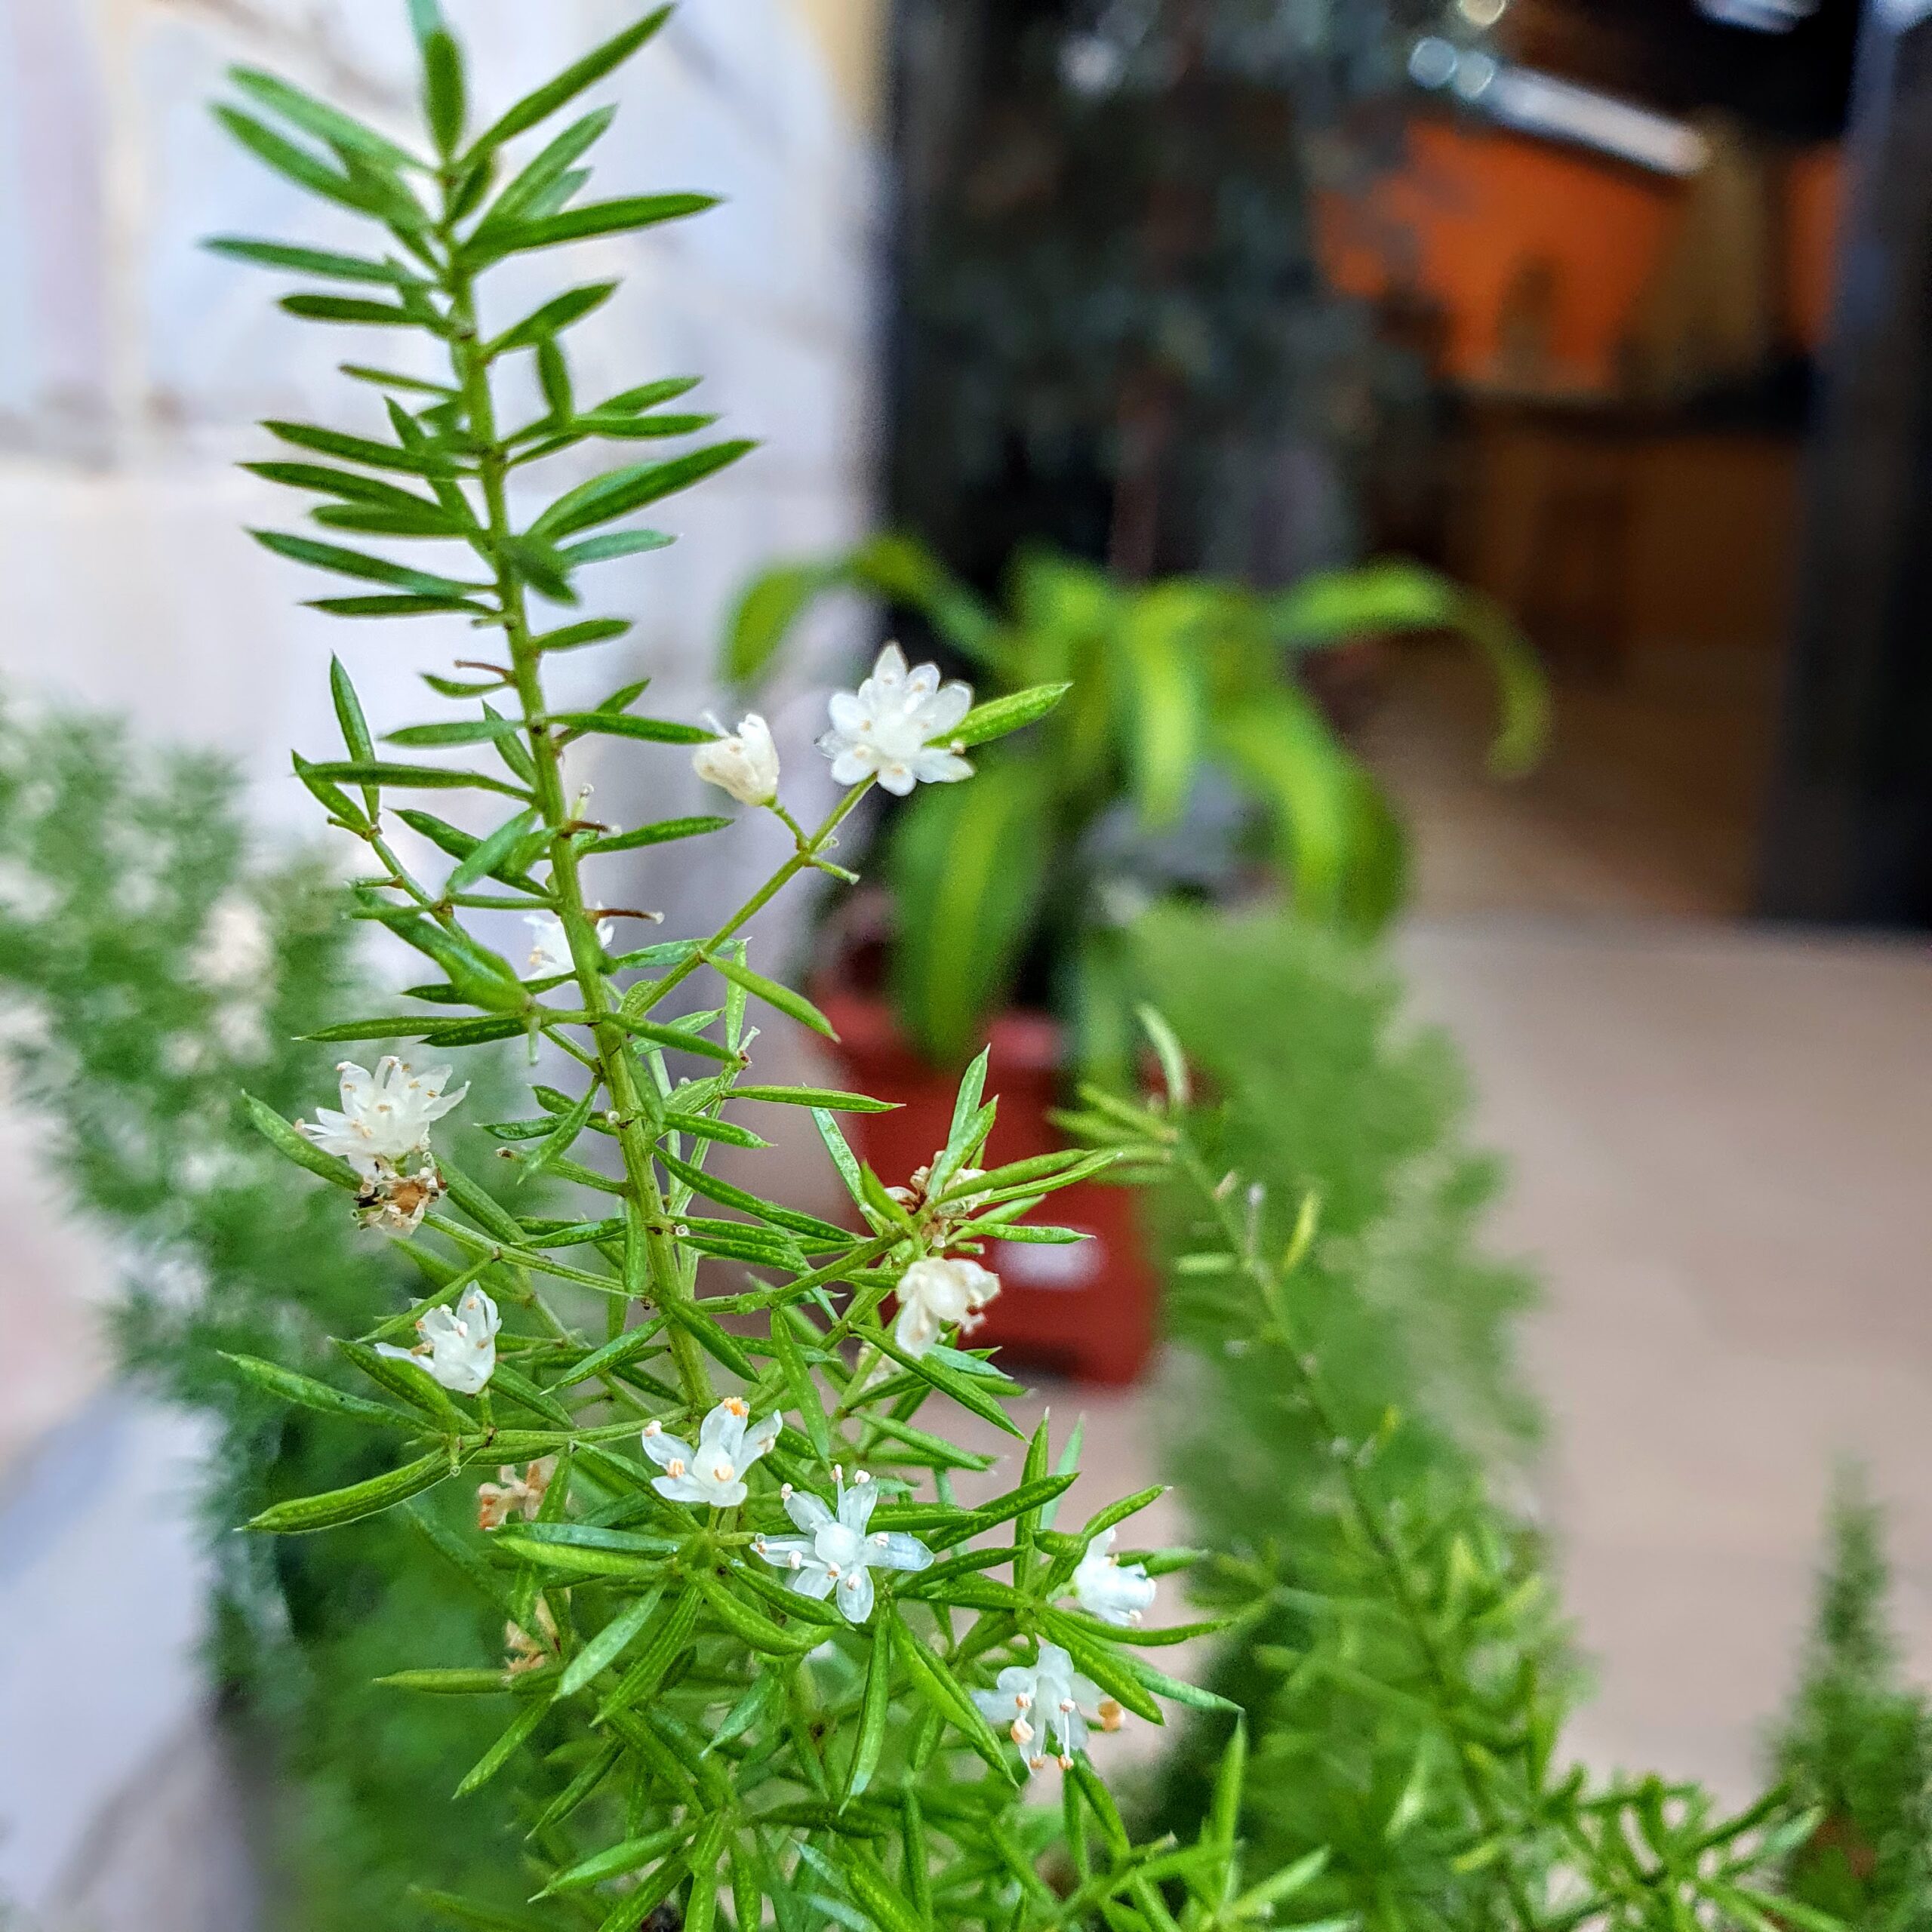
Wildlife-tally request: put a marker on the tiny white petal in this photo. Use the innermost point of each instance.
(885, 727)
(745, 764)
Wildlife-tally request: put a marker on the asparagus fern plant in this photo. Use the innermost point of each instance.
(742, 1602)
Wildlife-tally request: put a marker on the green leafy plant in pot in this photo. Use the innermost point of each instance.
(1189, 759)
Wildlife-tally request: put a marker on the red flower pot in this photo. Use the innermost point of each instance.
(1086, 1310)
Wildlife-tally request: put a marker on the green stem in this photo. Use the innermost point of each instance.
(811, 849)
(652, 1268)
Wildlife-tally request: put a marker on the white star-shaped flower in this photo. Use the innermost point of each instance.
(458, 1348)
(1046, 1703)
(713, 1471)
(746, 765)
(1107, 1589)
(550, 946)
(886, 728)
(836, 1556)
(386, 1115)
(935, 1294)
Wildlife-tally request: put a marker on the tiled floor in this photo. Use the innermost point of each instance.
(1720, 1145)
(1646, 803)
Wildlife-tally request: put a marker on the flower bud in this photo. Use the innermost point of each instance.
(745, 764)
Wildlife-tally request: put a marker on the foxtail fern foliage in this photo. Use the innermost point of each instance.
(1857, 1743)
(151, 965)
(1342, 1440)
(733, 1720)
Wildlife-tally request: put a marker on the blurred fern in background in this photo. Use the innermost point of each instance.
(132, 912)
(1323, 1089)
(1856, 1744)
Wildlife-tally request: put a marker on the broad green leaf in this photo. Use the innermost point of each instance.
(1158, 650)
(770, 605)
(1281, 745)
(905, 569)
(1330, 606)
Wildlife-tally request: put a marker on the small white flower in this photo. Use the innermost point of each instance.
(713, 1471)
(886, 727)
(458, 1349)
(746, 765)
(386, 1115)
(550, 949)
(1107, 1589)
(1048, 1702)
(933, 1294)
(836, 1557)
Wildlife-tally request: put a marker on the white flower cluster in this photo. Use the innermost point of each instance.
(1104, 1587)
(936, 1294)
(386, 1115)
(836, 1556)
(458, 1349)
(887, 728)
(714, 1472)
(745, 764)
(1049, 1703)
